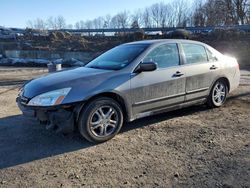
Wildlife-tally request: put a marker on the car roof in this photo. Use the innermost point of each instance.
(159, 41)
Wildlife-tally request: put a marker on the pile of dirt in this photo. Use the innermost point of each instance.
(226, 34)
(56, 41)
(178, 34)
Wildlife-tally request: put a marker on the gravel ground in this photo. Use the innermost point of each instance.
(193, 147)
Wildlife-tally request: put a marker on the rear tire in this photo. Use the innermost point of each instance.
(218, 94)
(100, 120)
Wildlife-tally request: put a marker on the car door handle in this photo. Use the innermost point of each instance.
(213, 67)
(178, 74)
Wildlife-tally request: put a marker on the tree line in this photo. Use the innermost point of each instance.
(177, 13)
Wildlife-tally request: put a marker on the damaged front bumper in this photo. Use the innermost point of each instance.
(60, 118)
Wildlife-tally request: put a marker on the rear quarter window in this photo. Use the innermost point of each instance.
(211, 57)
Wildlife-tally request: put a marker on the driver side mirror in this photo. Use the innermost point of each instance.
(146, 67)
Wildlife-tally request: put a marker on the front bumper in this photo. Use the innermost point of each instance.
(58, 118)
(25, 110)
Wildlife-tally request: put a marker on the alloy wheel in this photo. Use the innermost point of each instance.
(219, 93)
(104, 121)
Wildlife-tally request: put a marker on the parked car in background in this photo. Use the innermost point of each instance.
(128, 82)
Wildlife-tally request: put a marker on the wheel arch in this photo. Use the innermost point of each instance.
(113, 95)
(227, 82)
(225, 79)
(210, 101)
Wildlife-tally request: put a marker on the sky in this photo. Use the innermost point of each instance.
(16, 13)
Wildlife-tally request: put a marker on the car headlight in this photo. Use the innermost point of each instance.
(50, 98)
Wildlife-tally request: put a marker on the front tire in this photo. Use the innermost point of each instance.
(100, 120)
(218, 94)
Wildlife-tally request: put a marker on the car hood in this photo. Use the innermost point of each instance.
(78, 79)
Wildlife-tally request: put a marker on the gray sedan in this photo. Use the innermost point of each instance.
(128, 82)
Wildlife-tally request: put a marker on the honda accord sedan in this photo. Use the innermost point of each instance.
(128, 82)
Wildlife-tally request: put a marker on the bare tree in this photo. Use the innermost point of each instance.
(174, 14)
(135, 25)
(180, 13)
(241, 9)
(114, 23)
(98, 23)
(89, 24)
(29, 24)
(56, 23)
(123, 19)
(248, 14)
(51, 23)
(137, 18)
(146, 17)
(107, 21)
(222, 12)
(37, 24)
(60, 22)
(163, 14)
(120, 20)
(198, 14)
(155, 13)
(77, 25)
(230, 17)
(80, 25)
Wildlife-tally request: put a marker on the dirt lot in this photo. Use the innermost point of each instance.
(193, 147)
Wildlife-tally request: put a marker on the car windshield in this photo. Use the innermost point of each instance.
(118, 57)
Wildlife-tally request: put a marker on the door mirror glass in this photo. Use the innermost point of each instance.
(146, 67)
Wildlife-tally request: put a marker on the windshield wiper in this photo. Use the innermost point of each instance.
(95, 67)
(103, 68)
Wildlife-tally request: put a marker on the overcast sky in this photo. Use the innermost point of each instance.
(16, 13)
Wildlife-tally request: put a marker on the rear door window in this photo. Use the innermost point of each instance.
(165, 55)
(194, 53)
